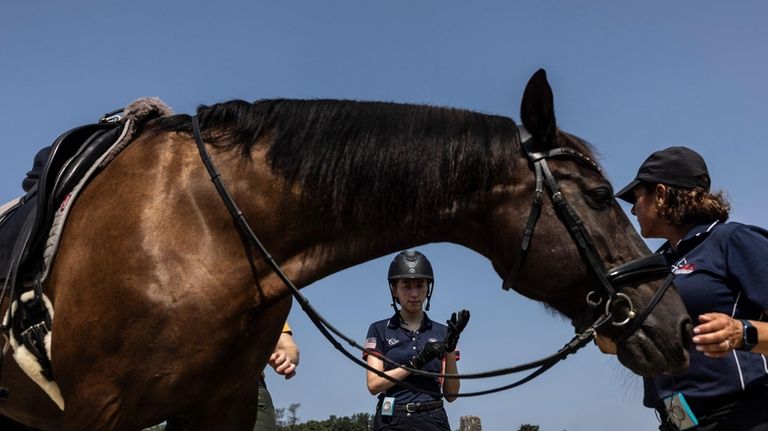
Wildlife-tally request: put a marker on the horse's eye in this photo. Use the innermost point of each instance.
(599, 198)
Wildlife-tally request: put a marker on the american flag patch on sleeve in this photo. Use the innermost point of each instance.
(370, 343)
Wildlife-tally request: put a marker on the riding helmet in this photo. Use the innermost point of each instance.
(410, 264)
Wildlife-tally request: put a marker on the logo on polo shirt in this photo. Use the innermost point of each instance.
(683, 267)
(392, 341)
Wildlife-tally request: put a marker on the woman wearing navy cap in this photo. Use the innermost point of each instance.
(409, 337)
(721, 274)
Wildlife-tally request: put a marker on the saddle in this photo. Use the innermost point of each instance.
(25, 227)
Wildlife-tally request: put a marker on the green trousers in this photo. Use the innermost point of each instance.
(265, 420)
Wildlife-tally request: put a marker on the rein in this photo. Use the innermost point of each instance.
(641, 268)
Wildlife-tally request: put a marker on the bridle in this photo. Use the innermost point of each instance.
(618, 308)
(640, 269)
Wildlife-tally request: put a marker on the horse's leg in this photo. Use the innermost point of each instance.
(225, 417)
(223, 395)
(96, 408)
(27, 403)
(235, 413)
(235, 409)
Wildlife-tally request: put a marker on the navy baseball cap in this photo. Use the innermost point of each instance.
(674, 166)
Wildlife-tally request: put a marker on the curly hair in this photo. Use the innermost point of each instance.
(682, 207)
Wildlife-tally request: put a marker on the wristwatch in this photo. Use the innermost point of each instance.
(749, 336)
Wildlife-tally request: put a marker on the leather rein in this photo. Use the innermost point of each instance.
(648, 268)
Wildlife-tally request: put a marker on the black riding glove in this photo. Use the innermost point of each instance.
(456, 324)
(431, 350)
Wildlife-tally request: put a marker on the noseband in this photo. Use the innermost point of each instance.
(618, 307)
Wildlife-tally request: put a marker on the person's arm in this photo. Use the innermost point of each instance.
(719, 333)
(451, 386)
(378, 384)
(285, 358)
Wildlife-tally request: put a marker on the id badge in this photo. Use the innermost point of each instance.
(388, 406)
(679, 413)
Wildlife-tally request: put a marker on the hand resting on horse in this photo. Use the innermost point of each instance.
(718, 334)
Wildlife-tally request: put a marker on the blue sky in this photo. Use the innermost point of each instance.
(630, 77)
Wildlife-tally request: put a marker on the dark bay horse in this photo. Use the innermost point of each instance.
(164, 311)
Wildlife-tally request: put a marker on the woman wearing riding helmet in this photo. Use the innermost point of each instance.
(410, 338)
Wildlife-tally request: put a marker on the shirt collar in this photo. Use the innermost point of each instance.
(394, 322)
(695, 235)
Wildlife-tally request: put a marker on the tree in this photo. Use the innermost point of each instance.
(287, 421)
(356, 422)
(528, 427)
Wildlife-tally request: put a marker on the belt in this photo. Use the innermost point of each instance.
(419, 407)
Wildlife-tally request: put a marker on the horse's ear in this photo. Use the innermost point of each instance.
(537, 110)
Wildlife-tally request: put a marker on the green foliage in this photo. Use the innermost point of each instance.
(528, 427)
(287, 420)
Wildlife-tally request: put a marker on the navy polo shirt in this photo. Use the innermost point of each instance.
(718, 268)
(387, 337)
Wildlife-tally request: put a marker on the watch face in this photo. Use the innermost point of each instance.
(750, 335)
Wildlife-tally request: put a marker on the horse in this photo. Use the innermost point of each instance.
(164, 310)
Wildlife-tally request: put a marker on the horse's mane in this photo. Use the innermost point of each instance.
(368, 161)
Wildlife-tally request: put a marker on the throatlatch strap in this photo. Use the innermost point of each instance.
(530, 225)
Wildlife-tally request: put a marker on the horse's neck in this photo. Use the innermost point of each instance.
(320, 249)
(309, 245)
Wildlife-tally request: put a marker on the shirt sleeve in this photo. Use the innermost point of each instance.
(745, 256)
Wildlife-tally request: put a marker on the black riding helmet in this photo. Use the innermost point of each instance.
(410, 264)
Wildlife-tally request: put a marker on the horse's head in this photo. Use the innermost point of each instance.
(567, 269)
